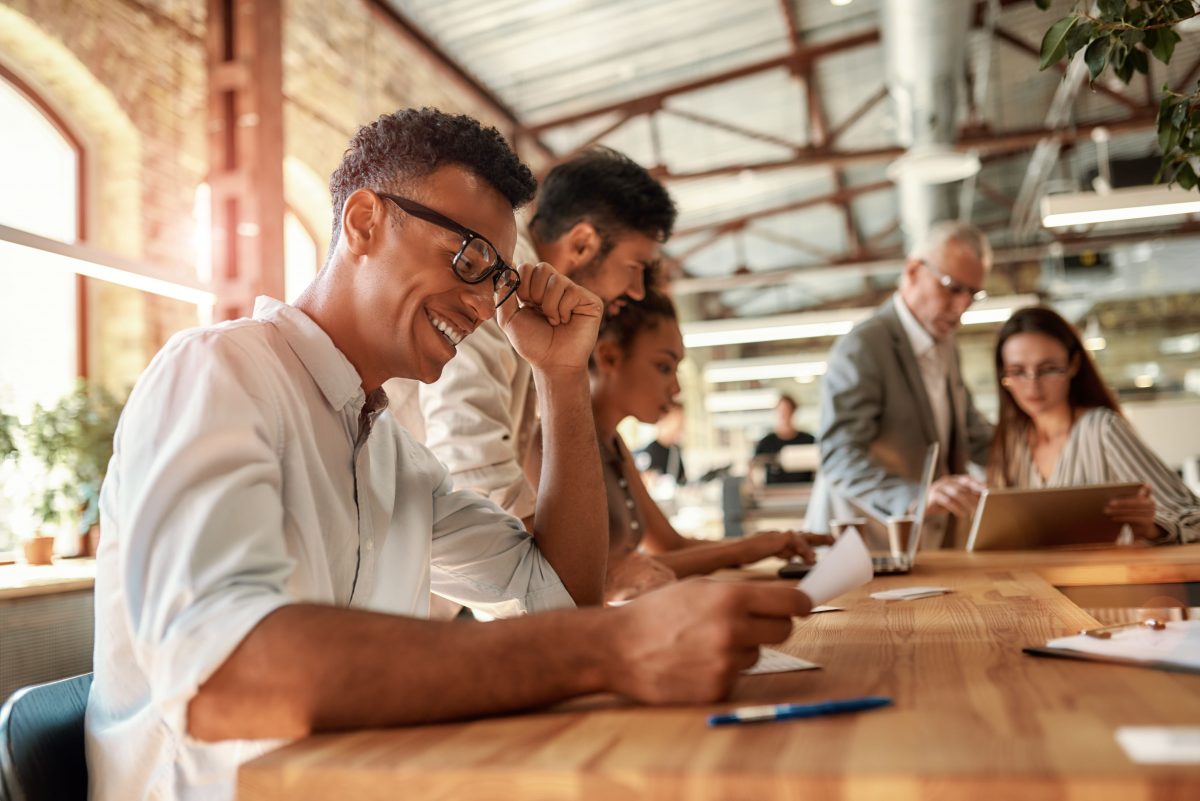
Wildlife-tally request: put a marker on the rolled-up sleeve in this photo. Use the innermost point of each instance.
(198, 517)
(483, 558)
(469, 421)
(1177, 510)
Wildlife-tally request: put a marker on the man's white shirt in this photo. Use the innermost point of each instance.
(933, 359)
(242, 481)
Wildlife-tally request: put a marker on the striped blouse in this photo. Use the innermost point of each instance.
(1102, 448)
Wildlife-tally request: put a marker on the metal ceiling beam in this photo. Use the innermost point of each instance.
(728, 127)
(742, 220)
(654, 100)
(449, 69)
(1029, 50)
(856, 115)
(984, 142)
(1070, 244)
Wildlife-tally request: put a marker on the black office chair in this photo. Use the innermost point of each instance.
(41, 742)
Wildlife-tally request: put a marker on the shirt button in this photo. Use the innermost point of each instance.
(629, 502)
(633, 524)
(622, 483)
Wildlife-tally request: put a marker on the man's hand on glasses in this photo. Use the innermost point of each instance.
(553, 322)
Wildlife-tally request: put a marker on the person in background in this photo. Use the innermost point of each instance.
(634, 374)
(663, 456)
(601, 221)
(270, 538)
(784, 434)
(1061, 426)
(893, 387)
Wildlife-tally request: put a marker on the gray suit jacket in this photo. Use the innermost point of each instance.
(876, 421)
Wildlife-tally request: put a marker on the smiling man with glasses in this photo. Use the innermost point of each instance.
(893, 387)
(271, 539)
(601, 220)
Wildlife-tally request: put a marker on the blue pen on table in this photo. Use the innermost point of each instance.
(762, 714)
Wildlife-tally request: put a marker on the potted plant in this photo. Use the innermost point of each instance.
(74, 440)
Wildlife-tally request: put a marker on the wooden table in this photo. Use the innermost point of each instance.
(973, 718)
(1175, 564)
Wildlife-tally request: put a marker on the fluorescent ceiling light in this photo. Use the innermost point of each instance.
(933, 164)
(1133, 203)
(746, 401)
(807, 325)
(40, 253)
(721, 372)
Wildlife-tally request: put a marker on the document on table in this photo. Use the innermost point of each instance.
(846, 566)
(908, 593)
(1161, 745)
(772, 661)
(1176, 647)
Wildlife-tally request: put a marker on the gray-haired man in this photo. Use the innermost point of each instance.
(893, 386)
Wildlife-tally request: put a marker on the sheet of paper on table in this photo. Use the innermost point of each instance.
(772, 661)
(845, 567)
(908, 593)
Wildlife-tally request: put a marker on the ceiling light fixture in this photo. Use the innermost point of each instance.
(750, 400)
(1132, 203)
(809, 325)
(933, 164)
(723, 372)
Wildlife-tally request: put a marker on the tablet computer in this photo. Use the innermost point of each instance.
(1020, 519)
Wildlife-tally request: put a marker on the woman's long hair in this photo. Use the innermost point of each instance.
(1087, 390)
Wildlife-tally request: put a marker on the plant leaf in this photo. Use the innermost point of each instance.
(1124, 67)
(1054, 43)
(1080, 36)
(1164, 47)
(1140, 60)
(1183, 9)
(1186, 176)
(1096, 56)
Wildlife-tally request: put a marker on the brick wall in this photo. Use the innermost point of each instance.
(130, 76)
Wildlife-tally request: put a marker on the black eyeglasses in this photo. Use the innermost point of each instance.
(476, 259)
(955, 288)
(1045, 372)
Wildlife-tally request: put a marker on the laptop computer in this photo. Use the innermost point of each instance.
(902, 562)
(903, 554)
(1019, 519)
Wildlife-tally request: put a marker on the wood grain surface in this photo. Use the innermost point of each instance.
(973, 718)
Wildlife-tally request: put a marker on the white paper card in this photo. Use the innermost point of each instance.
(846, 566)
(1178, 644)
(1161, 745)
(772, 661)
(908, 593)
(818, 609)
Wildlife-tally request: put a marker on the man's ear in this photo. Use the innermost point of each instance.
(363, 216)
(582, 243)
(911, 265)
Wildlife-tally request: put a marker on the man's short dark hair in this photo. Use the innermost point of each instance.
(412, 143)
(608, 189)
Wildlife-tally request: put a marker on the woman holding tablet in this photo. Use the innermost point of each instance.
(1060, 426)
(634, 374)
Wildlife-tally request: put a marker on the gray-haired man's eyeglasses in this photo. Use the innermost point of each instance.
(955, 288)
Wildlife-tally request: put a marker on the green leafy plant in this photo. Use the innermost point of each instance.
(75, 436)
(8, 436)
(1123, 35)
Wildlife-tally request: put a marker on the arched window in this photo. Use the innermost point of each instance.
(39, 311)
(300, 257)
